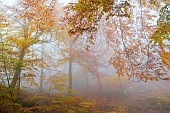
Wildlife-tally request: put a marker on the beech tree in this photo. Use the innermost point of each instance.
(162, 35)
(127, 28)
(72, 53)
(30, 21)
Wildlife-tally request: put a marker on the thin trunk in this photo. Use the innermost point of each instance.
(8, 78)
(19, 85)
(49, 92)
(70, 77)
(87, 84)
(70, 72)
(99, 83)
(121, 86)
(100, 86)
(41, 80)
(42, 71)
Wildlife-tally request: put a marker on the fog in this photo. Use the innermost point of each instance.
(117, 68)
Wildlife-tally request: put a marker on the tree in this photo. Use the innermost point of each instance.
(162, 35)
(134, 55)
(30, 21)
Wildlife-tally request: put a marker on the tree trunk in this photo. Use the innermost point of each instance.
(70, 77)
(70, 72)
(100, 86)
(41, 80)
(18, 68)
(87, 84)
(42, 70)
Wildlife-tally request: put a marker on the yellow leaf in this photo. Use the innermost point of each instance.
(71, 111)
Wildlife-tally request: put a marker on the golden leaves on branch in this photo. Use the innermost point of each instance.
(58, 81)
(166, 58)
(139, 60)
(21, 42)
(40, 14)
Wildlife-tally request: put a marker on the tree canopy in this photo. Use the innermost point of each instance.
(138, 49)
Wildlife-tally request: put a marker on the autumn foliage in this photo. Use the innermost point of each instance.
(56, 59)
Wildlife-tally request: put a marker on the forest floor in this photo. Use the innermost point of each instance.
(116, 97)
(126, 97)
(140, 103)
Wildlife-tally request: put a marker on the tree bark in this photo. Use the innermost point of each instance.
(70, 72)
(70, 77)
(100, 86)
(18, 68)
(42, 70)
(41, 80)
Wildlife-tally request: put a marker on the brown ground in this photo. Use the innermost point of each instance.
(132, 97)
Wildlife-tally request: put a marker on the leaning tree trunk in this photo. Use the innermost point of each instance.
(18, 68)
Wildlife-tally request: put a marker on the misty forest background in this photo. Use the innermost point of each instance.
(87, 56)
